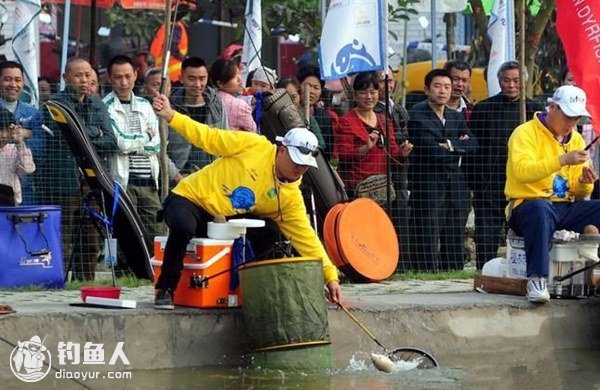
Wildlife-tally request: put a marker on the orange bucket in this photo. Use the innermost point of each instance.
(361, 240)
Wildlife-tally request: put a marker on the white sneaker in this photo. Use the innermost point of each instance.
(537, 291)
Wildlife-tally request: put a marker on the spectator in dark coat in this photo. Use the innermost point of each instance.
(492, 122)
(60, 174)
(439, 195)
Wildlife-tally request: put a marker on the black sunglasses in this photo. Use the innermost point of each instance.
(305, 150)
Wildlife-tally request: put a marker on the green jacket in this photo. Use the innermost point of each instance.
(60, 171)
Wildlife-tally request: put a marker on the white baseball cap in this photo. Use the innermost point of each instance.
(266, 75)
(302, 146)
(571, 100)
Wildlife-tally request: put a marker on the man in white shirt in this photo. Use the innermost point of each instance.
(135, 166)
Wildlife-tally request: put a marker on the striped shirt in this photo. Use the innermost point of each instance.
(139, 164)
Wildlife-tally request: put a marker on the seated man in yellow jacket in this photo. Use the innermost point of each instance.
(548, 175)
(252, 176)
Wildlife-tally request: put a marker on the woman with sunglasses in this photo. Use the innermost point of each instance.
(361, 136)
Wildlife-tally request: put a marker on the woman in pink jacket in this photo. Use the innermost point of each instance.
(224, 75)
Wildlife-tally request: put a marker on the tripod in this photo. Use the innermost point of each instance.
(86, 226)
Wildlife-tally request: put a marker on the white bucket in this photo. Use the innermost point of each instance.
(516, 261)
(495, 267)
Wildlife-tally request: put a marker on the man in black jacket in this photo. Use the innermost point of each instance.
(439, 191)
(60, 174)
(492, 122)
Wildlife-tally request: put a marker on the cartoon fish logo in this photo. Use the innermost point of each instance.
(560, 186)
(242, 198)
(353, 57)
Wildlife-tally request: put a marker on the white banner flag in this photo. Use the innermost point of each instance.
(251, 58)
(25, 43)
(501, 30)
(354, 38)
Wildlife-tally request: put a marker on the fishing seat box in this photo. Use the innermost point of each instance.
(565, 258)
(204, 257)
(31, 247)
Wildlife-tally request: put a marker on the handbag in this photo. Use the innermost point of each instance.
(31, 247)
(375, 187)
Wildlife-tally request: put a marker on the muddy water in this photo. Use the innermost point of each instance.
(565, 369)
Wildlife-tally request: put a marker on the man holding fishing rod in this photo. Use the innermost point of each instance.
(252, 177)
(548, 176)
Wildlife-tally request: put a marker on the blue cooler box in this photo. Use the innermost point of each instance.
(31, 247)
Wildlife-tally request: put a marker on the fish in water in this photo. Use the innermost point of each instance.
(382, 362)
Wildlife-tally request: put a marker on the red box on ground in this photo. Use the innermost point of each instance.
(204, 257)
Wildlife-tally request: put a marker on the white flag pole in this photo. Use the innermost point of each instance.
(65, 42)
(25, 43)
(251, 58)
(501, 32)
(433, 35)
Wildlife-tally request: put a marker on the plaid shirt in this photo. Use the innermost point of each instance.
(15, 161)
(239, 113)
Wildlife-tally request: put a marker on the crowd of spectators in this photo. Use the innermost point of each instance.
(445, 154)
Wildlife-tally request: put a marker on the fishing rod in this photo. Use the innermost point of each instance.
(168, 42)
(591, 143)
(162, 130)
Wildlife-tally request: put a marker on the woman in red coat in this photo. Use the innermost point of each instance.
(360, 139)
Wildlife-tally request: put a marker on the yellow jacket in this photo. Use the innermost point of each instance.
(533, 169)
(243, 180)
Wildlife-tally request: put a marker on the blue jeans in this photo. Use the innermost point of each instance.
(537, 220)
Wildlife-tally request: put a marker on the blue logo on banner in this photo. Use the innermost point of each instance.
(351, 58)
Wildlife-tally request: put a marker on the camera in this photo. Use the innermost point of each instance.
(380, 141)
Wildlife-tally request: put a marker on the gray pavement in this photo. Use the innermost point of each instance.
(144, 295)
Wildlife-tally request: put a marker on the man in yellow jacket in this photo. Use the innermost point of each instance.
(252, 176)
(548, 175)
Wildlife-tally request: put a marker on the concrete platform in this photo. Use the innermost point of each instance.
(445, 318)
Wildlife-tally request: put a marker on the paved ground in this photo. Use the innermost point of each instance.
(144, 295)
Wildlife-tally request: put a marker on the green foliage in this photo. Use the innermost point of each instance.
(401, 13)
(413, 275)
(123, 281)
(140, 24)
(302, 17)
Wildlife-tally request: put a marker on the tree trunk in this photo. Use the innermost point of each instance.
(450, 20)
(535, 29)
(481, 23)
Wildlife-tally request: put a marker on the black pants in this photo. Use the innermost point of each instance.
(490, 219)
(439, 222)
(187, 220)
